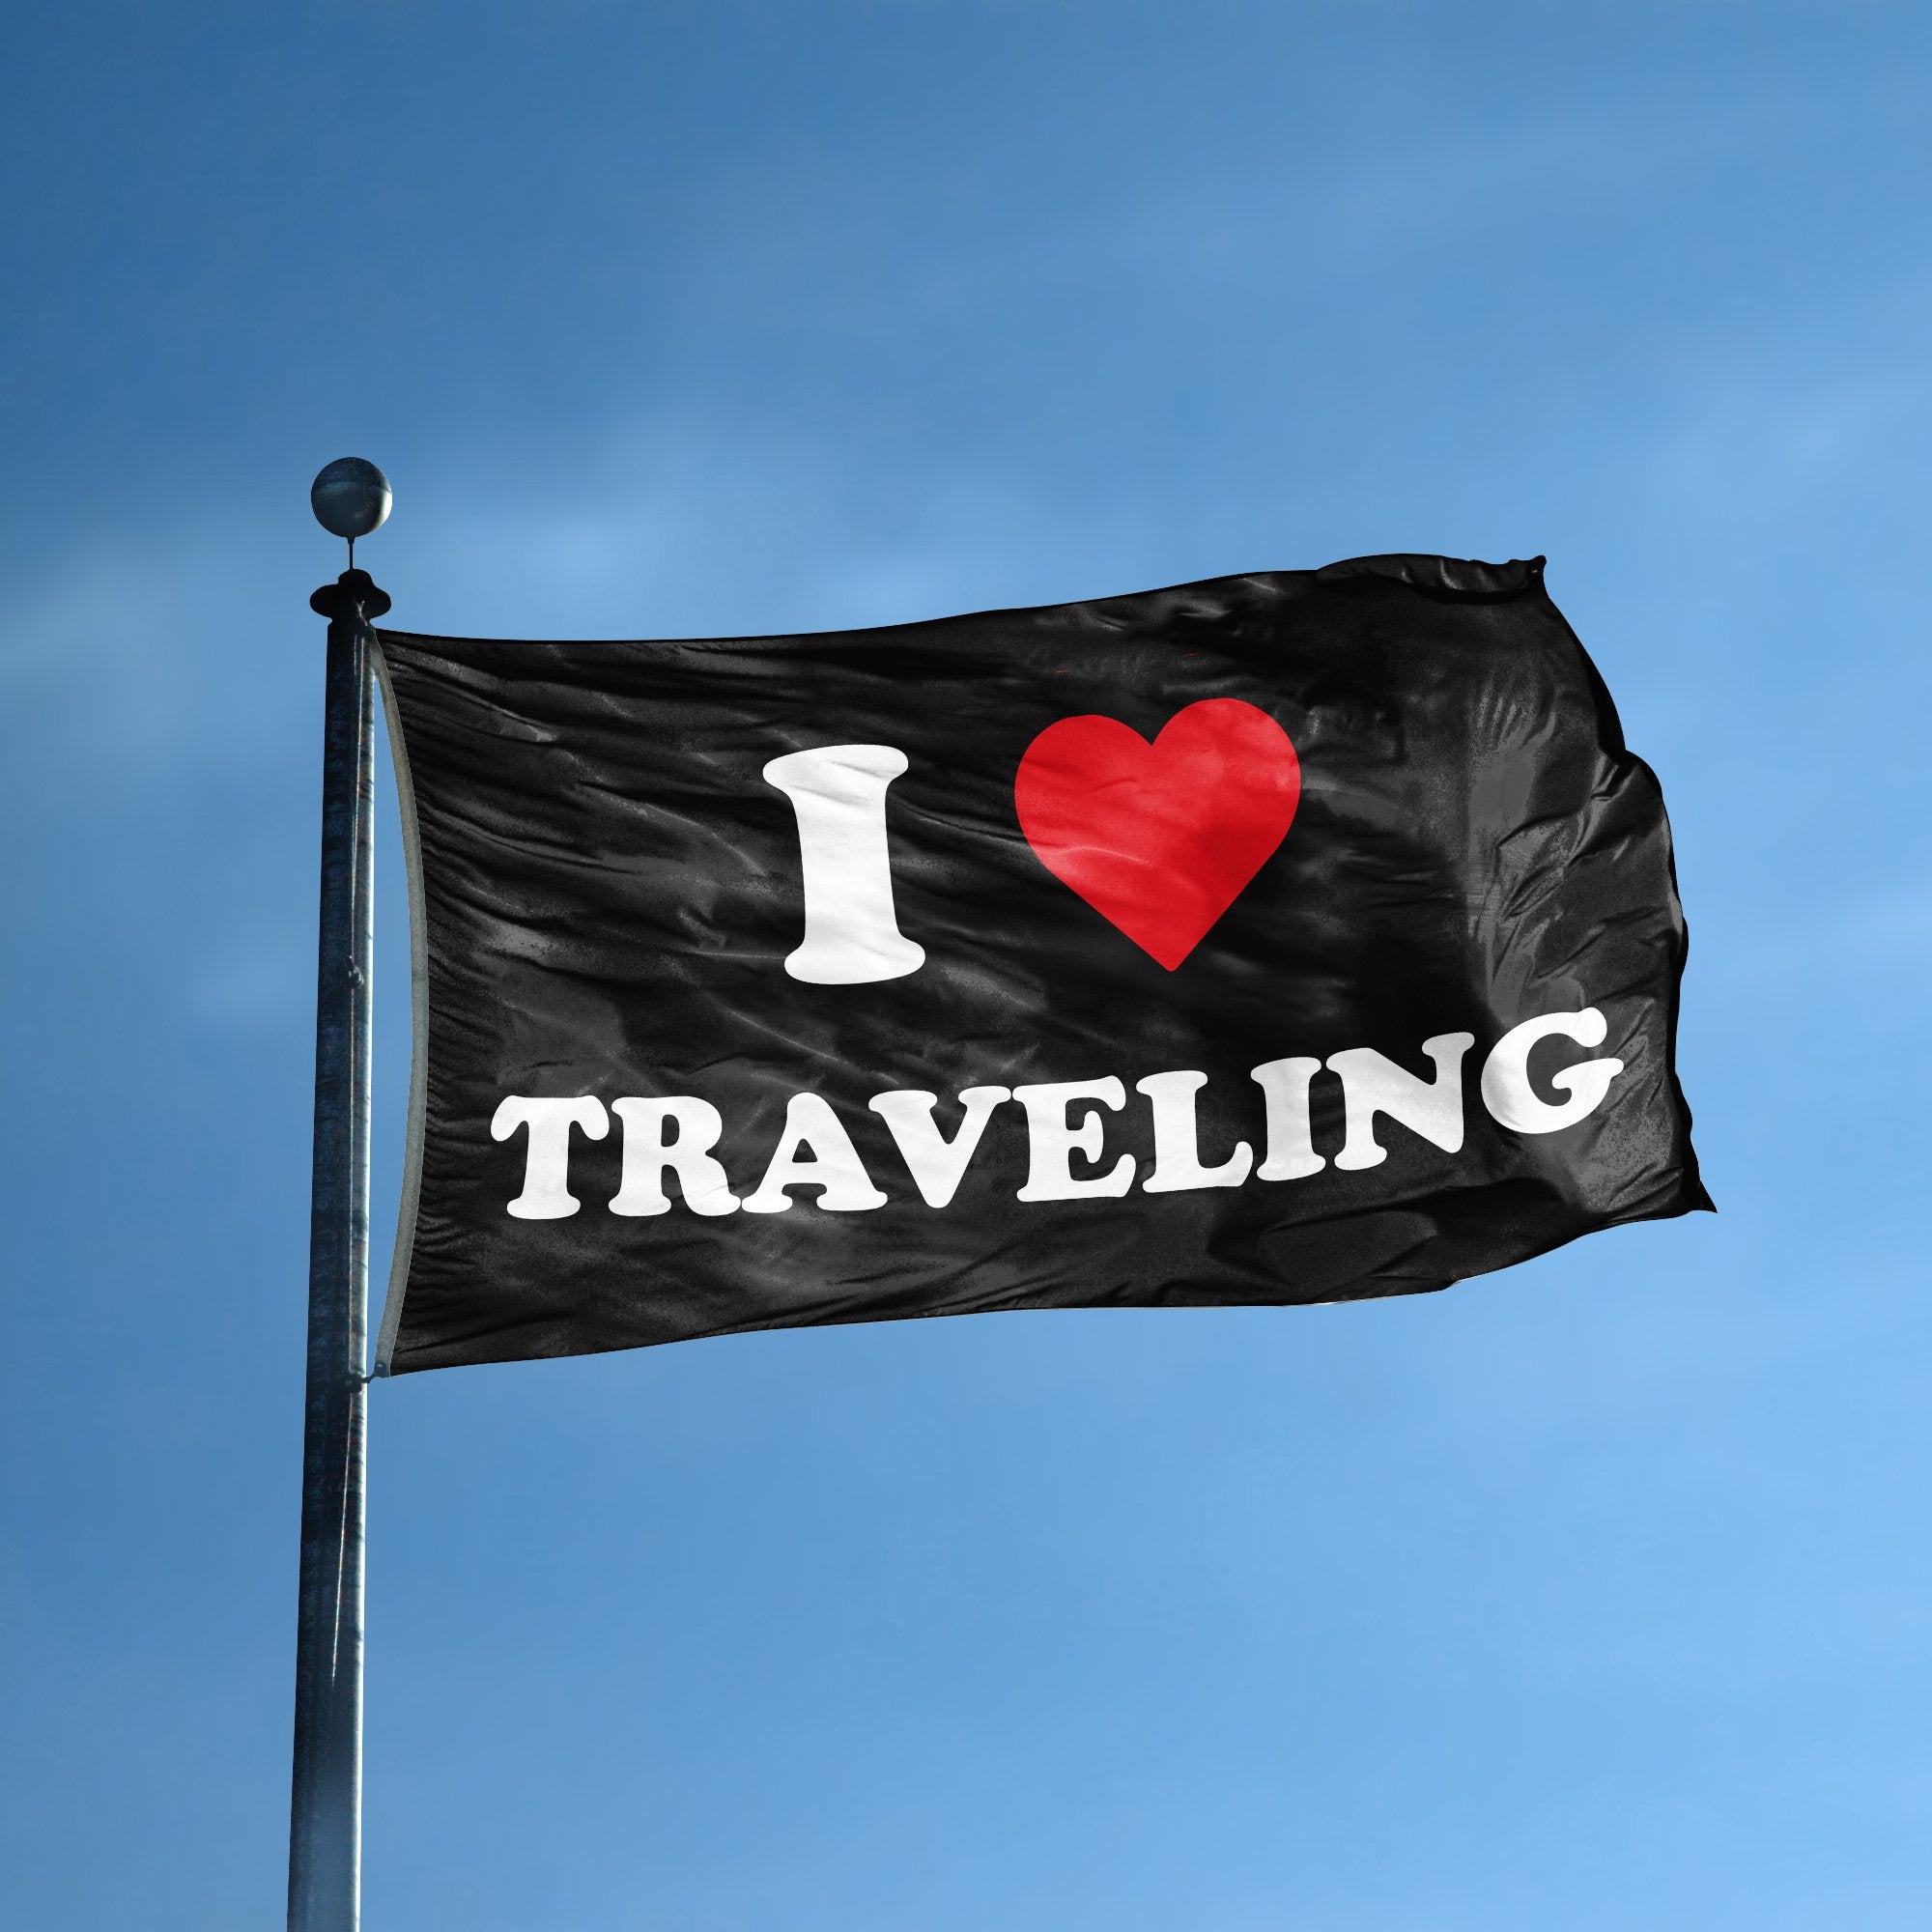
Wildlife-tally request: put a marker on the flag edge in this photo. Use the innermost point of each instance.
(407, 1205)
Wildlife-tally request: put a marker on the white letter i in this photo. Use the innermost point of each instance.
(851, 932)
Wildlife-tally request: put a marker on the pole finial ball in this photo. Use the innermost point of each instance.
(350, 498)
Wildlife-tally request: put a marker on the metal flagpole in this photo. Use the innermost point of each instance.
(350, 498)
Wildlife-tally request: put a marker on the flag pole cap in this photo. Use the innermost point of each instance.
(350, 498)
(353, 598)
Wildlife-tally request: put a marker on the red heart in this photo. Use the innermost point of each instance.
(1161, 838)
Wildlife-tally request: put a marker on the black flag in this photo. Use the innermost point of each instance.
(1285, 938)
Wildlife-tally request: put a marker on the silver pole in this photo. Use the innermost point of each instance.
(326, 1822)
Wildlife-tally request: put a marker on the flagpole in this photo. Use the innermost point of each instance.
(326, 1810)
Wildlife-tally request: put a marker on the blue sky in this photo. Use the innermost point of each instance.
(1592, 1595)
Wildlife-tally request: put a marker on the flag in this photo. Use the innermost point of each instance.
(1295, 937)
